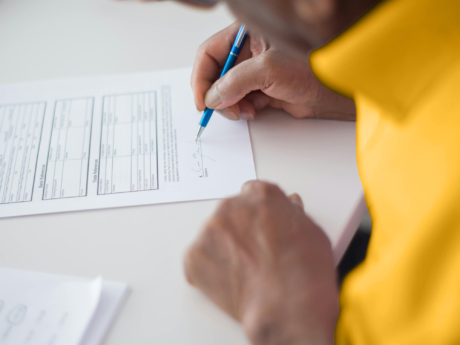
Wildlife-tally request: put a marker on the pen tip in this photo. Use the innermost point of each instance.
(198, 135)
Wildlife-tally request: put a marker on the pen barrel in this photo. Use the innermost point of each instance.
(208, 112)
(206, 117)
(231, 60)
(229, 64)
(235, 52)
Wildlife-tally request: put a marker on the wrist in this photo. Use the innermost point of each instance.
(269, 320)
(276, 332)
(331, 105)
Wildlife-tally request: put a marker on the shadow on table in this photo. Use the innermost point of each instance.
(356, 251)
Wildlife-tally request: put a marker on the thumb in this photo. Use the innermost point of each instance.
(248, 76)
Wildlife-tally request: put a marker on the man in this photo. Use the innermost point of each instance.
(260, 258)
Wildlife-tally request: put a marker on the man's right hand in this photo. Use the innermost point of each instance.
(264, 75)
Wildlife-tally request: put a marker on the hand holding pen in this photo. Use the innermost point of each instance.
(265, 75)
(231, 60)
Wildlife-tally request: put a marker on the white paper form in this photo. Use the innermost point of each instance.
(114, 141)
(44, 309)
(48, 309)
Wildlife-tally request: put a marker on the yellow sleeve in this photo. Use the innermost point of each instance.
(401, 64)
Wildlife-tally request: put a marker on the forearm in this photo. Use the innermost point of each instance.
(286, 333)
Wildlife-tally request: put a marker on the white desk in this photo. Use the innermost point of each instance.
(63, 38)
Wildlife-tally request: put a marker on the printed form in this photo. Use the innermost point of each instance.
(114, 141)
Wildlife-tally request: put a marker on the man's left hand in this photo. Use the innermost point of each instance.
(266, 263)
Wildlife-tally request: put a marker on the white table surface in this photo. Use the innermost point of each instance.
(144, 246)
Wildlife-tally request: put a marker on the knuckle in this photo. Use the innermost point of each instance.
(211, 238)
(192, 257)
(224, 206)
(261, 333)
(211, 227)
(269, 69)
(200, 50)
(266, 189)
(203, 47)
(307, 113)
(263, 189)
(192, 262)
(213, 233)
(215, 241)
(266, 60)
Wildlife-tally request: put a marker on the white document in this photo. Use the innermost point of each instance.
(37, 308)
(114, 141)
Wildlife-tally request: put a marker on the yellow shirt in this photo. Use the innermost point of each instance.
(401, 65)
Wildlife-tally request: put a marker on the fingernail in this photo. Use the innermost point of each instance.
(198, 107)
(246, 115)
(228, 114)
(296, 199)
(212, 98)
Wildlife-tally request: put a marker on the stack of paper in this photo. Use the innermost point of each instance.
(37, 308)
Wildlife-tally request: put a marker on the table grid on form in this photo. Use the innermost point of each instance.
(128, 151)
(20, 129)
(68, 154)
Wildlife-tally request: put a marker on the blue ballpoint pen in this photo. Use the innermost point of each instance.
(237, 45)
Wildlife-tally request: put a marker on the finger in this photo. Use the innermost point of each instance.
(243, 110)
(231, 113)
(247, 111)
(188, 268)
(247, 186)
(250, 75)
(296, 199)
(258, 100)
(210, 58)
(261, 189)
(202, 272)
(209, 263)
